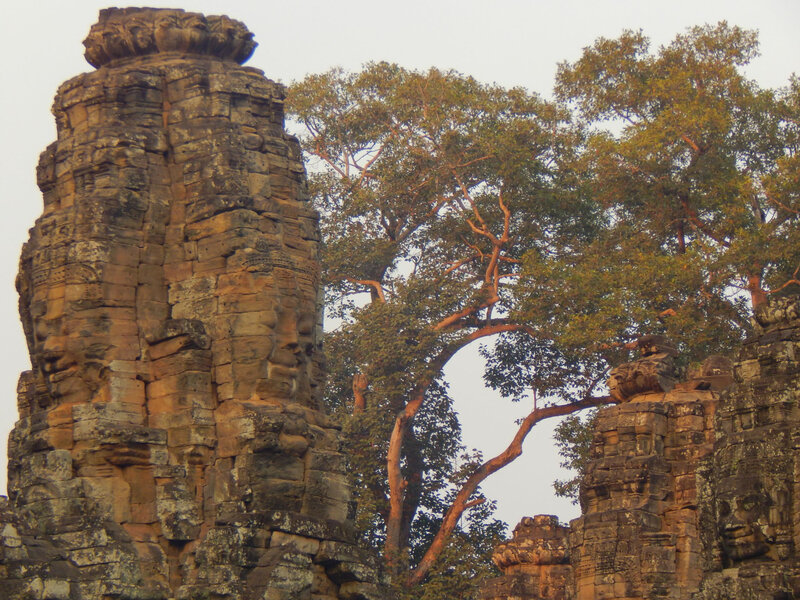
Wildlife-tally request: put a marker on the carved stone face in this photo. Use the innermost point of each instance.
(741, 524)
(288, 362)
(71, 361)
(141, 33)
(166, 31)
(753, 517)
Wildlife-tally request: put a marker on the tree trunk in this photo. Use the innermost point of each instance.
(413, 491)
(360, 384)
(397, 483)
(757, 294)
(462, 501)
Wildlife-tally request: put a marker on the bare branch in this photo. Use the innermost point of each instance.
(455, 317)
(695, 220)
(781, 204)
(789, 282)
(460, 263)
(511, 453)
(360, 385)
(376, 285)
(691, 143)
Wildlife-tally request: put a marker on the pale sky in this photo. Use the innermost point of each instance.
(508, 42)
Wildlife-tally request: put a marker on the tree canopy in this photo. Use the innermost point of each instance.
(689, 180)
(432, 189)
(659, 194)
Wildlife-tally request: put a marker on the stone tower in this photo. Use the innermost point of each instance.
(750, 511)
(534, 563)
(692, 490)
(171, 442)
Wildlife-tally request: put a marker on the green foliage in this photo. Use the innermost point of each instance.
(394, 155)
(518, 363)
(689, 182)
(424, 183)
(465, 561)
(455, 211)
(573, 437)
(619, 287)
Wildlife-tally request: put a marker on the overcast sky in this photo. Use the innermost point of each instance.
(509, 42)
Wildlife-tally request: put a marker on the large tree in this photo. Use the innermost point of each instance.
(689, 169)
(695, 171)
(455, 212)
(432, 188)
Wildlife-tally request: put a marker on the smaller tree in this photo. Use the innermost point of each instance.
(690, 182)
(573, 436)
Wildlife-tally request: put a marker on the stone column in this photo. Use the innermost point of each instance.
(534, 562)
(637, 537)
(751, 507)
(171, 441)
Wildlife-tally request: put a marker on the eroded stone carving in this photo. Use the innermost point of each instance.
(751, 507)
(128, 32)
(654, 372)
(691, 493)
(535, 562)
(171, 442)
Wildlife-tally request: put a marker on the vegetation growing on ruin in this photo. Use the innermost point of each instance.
(659, 194)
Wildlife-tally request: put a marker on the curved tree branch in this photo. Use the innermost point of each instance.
(512, 452)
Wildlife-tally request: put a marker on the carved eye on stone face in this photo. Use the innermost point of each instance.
(751, 503)
(97, 351)
(305, 324)
(724, 509)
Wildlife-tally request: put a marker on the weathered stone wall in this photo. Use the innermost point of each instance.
(638, 536)
(750, 508)
(171, 443)
(693, 488)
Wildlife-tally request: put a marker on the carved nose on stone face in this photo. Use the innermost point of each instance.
(288, 355)
(54, 357)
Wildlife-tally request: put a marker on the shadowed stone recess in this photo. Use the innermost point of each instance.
(171, 441)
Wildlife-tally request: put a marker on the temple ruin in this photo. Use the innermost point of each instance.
(171, 441)
(692, 490)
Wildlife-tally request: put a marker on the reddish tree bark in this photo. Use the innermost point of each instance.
(511, 453)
